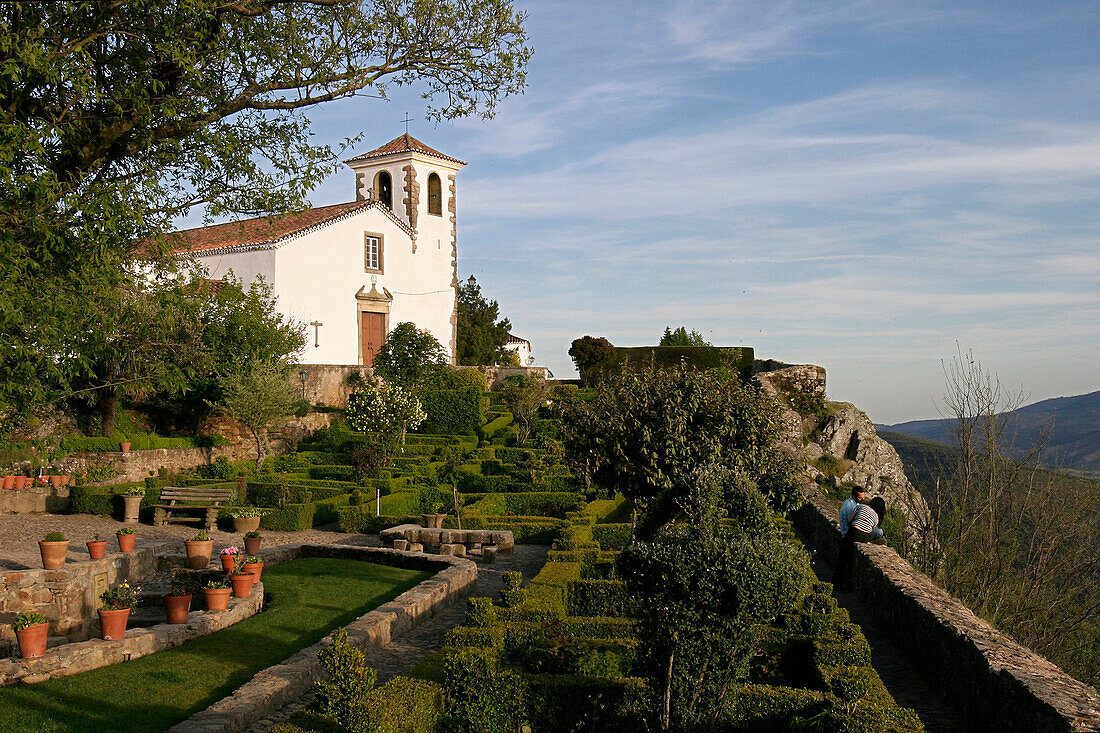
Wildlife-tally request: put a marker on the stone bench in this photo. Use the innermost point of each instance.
(469, 539)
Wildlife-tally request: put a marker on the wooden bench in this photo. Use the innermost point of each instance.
(197, 498)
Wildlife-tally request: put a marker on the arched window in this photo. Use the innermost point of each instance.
(435, 195)
(383, 189)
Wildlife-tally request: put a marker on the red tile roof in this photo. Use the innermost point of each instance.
(263, 230)
(404, 144)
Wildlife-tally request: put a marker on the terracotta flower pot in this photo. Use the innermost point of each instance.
(32, 640)
(20, 483)
(53, 554)
(9, 482)
(97, 549)
(43, 480)
(229, 562)
(113, 623)
(245, 524)
(177, 608)
(256, 568)
(198, 553)
(126, 542)
(55, 481)
(217, 599)
(242, 584)
(124, 447)
(252, 545)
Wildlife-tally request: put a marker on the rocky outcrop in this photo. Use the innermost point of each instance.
(837, 435)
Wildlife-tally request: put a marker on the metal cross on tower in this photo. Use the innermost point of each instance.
(407, 120)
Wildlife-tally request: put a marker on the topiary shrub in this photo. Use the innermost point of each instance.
(452, 411)
(405, 705)
(600, 598)
(481, 696)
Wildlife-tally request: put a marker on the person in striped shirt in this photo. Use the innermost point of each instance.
(858, 523)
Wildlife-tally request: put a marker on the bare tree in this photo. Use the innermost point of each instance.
(1018, 543)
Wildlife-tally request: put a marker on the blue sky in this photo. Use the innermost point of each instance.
(859, 185)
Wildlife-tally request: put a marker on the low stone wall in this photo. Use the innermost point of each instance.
(34, 499)
(84, 656)
(495, 376)
(996, 683)
(280, 684)
(69, 597)
(327, 384)
(502, 539)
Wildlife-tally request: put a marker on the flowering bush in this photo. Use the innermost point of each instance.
(384, 408)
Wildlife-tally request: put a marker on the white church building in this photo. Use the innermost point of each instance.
(351, 272)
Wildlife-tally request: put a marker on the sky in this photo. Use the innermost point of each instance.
(867, 186)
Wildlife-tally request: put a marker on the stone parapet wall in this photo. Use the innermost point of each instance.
(34, 499)
(328, 384)
(998, 684)
(84, 656)
(495, 376)
(68, 597)
(280, 684)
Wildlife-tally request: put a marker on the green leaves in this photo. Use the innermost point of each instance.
(482, 333)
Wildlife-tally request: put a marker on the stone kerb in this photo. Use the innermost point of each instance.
(83, 656)
(67, 597)
(998, 684)
(283, 683)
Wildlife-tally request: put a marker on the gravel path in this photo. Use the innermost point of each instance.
(408, 650)
(19, 536)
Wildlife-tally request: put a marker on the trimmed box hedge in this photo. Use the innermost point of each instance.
(452, 411)
(612, 536)
(599, 598)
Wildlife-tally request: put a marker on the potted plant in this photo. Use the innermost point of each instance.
(254, 565)
(126, 537)
(252, 541)
(54, 548)
(131, 500)
(217, 593)
(177, 603)
(241, 581)
(199, 548)
(117, 603)
(9, 481)
(124, 446)
(20, 483)
(97, 548)
(31, 630)
(245, 518)
(229, 558)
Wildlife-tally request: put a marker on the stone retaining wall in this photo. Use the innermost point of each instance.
(280, 684)
(996, 683)
(84, 656)
(68, 597)
(34, 499)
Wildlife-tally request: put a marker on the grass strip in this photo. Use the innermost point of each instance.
(308, 598)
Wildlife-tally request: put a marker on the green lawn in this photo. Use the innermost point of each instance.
(308, 599)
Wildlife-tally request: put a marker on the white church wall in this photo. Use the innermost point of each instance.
(246, 266)
(319, 274)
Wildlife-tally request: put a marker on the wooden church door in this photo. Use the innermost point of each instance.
(373, 334)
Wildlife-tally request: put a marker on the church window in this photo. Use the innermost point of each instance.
(372, 252)
(383, 189)
(435, 195)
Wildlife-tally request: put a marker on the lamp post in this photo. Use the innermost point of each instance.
(303, 375)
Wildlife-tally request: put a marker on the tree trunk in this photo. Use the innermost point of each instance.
(260, 452)
(666, 698)
(108, 401)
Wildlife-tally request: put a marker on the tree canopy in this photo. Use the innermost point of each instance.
(682, 337)
(589, 353)
(120, 116)
(411, 357)
(482, 333)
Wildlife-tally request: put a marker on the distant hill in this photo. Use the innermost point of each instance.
(1073, 444)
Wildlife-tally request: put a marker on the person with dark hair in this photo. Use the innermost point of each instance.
(858, 523)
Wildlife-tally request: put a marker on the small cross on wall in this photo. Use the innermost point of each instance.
(316, 333)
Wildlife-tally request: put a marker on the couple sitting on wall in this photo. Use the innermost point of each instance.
(859, 522)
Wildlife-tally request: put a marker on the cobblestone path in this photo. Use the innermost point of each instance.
(410, 649)
(901, 678)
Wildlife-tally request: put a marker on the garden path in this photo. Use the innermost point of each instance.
(412, 647)
(901, 678)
